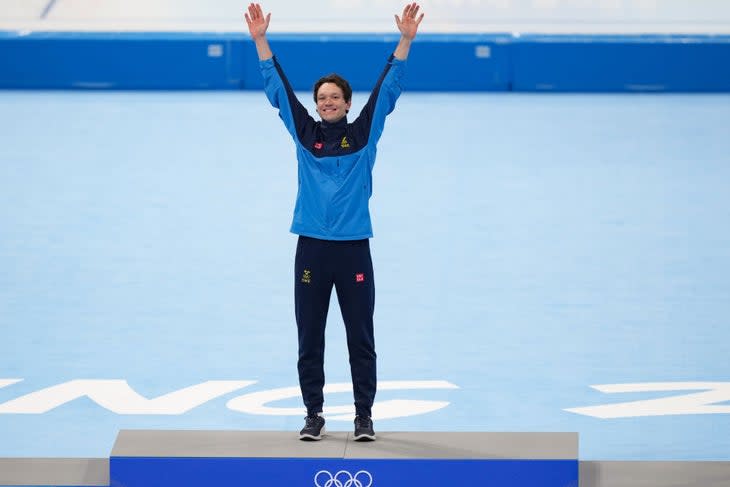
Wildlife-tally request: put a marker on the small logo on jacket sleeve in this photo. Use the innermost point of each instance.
(360, 277)
(318, 145)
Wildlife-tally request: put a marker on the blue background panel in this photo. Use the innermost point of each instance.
(120, 61)
(305, 59)
(285, 472)
(438, 62)
(612, 64)
(460, 63)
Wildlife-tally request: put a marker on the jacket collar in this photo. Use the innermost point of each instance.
(341, 123)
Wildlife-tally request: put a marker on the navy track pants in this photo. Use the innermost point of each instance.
(346, 265)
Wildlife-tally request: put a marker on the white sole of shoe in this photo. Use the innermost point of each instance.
(307, 437)
(364, 438)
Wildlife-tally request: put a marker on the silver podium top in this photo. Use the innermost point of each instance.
(390, 445)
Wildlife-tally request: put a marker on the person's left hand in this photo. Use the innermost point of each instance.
(408, 25)
(257, 23)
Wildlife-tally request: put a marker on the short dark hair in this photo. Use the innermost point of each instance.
(336, 79)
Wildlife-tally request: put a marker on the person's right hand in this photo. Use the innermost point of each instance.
(257, 24)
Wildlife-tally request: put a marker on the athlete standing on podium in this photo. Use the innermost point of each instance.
(332, 218)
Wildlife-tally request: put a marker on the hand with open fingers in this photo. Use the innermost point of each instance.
(408, 24)
(257, 23)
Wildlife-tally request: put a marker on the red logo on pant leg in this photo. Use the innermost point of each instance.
(359, 277)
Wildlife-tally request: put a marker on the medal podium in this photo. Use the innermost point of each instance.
(141, 458)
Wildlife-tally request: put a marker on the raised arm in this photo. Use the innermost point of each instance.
(277, 88)
(408, 26)
(369, 124)
(257, 26)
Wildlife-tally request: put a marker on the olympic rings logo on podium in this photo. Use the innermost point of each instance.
(343, 478)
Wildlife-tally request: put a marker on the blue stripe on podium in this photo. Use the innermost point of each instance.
(331, 472)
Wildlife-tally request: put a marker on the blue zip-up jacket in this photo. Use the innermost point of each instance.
(335, 159)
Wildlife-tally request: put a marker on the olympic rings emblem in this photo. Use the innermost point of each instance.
(343, 478)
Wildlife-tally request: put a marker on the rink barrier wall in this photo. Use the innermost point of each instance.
(437, 62)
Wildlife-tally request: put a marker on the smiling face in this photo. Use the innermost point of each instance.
(331, 103)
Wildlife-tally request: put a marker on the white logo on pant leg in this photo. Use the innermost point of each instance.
(343, 478)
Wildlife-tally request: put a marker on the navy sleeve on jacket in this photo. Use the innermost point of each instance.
(281, 95)
(369, 124)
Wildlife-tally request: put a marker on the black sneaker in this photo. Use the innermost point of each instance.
(364, 429)
(313, 428)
